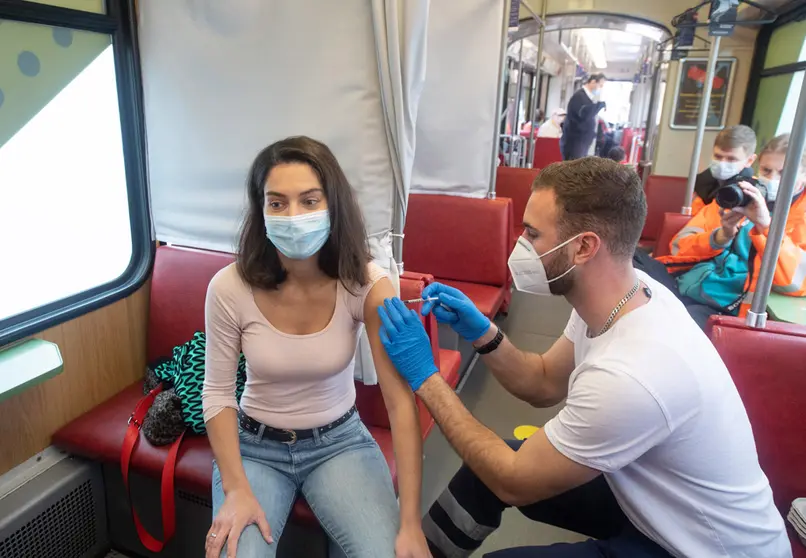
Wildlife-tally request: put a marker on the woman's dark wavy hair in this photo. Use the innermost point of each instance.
(345, 254)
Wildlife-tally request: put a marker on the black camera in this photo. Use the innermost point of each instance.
(731, 195)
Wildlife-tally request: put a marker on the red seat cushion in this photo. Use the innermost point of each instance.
(671, 225)
(98, 435)
(767, 367)
(486, 298)
(664, 194)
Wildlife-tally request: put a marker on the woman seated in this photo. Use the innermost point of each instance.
(293, 303)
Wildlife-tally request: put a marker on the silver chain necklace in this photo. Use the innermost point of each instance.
(619, 306)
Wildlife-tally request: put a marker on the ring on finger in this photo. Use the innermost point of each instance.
(213, 535)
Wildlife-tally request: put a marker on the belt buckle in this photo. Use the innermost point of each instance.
(293, 434)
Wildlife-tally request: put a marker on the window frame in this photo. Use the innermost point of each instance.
(120, 22)
(792, 12)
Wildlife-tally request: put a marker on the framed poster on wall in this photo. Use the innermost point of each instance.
(689, 88)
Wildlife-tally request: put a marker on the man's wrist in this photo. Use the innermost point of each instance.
(429, 385)
(489, 335)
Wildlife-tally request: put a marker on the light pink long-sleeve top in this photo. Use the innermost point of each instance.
(292, 381)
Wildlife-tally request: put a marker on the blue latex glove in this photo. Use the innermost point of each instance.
(456, 310)
(406, 342)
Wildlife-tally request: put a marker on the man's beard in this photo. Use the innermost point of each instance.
(558, 265)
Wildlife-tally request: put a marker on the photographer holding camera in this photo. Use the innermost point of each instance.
(733, 157)
(715, 258)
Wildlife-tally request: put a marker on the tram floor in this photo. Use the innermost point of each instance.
(533, 324)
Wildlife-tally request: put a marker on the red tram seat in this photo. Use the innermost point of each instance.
(515, 184)
(547, 151)
(671, 225)
(767, 368)
(464, 243)
(178, 287)
(664, 194)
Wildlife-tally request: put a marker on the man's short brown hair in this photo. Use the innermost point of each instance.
(600, 196)
(737, 137)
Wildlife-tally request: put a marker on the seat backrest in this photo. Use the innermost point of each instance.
(515, 184)
(178, 289)
(369, 399)
(547, 151)
(671, 225)
(664, 194)
(460, 239)
(767, 366)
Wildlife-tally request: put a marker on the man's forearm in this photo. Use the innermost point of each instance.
(522, 374)
(485, 453)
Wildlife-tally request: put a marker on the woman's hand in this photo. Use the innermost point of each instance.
(240, 510)
(411, 543)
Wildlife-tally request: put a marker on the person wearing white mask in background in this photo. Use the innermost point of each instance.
(552, 128)
(579, 131)
(636, 457)
(293, 302)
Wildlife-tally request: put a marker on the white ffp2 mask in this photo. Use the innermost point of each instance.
(528, 272)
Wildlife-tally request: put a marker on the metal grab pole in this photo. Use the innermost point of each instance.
(703, 118)
(515, 120)
(499, 99)
(757, 316)
(530, 149)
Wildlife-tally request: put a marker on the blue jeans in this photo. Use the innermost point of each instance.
(344, 478)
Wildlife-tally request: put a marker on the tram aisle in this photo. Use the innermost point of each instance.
(533, 324)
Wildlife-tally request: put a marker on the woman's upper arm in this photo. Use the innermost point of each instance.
(391, 382)
(223, 347)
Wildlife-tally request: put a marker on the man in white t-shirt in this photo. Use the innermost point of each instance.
(652, 454)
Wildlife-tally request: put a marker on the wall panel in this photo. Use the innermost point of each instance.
(103, 351)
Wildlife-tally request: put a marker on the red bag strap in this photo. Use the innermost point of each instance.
(130, 441)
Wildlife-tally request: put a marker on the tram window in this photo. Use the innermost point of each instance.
(96, 6)
(73, 226)
(790, 105)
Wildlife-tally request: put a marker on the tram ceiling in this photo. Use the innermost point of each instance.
(593, 20)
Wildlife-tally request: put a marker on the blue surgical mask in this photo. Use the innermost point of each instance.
(301, 236)
(722, 170)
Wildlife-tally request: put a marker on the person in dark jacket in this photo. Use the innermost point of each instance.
(579, 130)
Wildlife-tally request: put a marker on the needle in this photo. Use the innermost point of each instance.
(419, 300)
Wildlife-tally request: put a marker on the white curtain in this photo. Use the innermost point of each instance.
(400, 30)
(457, 112)
(222, 80)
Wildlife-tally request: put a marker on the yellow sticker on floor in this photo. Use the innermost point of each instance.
(524, 431)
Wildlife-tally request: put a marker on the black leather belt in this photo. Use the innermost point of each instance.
(284, 435)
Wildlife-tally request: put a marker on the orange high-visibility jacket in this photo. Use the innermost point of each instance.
(693, 244)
